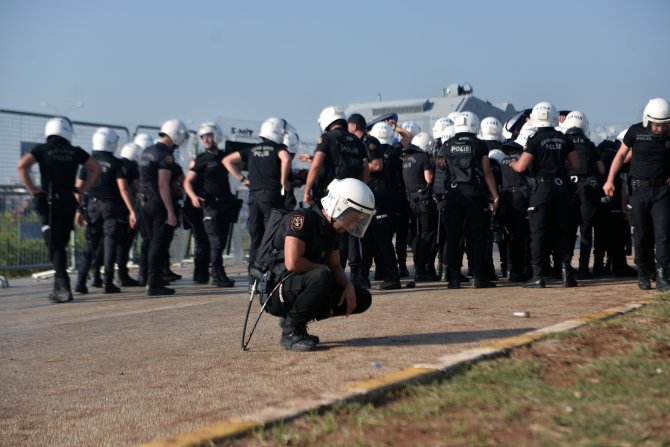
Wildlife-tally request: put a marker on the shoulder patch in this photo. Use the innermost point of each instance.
(169, 159)
(297, 222)
(320, 140)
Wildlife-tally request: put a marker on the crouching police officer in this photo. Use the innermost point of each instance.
(313, 284)
(649, 142)
(55, 202)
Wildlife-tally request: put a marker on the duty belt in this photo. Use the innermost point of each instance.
(647, 183)
(559, 181)
(515, 188)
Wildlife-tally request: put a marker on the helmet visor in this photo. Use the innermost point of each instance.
(354, 222)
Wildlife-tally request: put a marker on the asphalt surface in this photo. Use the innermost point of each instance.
(124, 369)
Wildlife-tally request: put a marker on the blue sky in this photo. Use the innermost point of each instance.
(141, 62)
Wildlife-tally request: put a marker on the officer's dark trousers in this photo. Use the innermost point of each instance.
(548, 214)
(584, 206)
(651, 217)
(126, 236)
(402, 228)
(466, 210)
(425, 213)
(512, 213)
(201, 250)
(57, 220)
(260, 204)
(156, 234)
(102, 230)
(217, 227)
(378, 239)
(314, 295)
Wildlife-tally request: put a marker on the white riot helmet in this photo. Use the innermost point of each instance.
(526, 132)
(291, 139)
(411, 127)
(424, 142)
(383, 132)
(351, 202)
(466, 122)
(211, 128)
(105, 139)
(61, 127)
(273, 129)
(440, 126)
(143, 140)
(575, 119)
(176, 130)
(544, 114)
(657, 110)
(329, 115)
(131, 151)
(490, 129)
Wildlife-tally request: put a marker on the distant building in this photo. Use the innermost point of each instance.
(455, 98)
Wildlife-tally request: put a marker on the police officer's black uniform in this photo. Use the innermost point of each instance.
(313, 294)
(193, 221)
(496, 233)
(154, 227)
(58, 161)
(611, 228)
(345, 158)
(440, 194)
(420, 198)
(513, 213)
(650, 200)
(549, 203)
(103, 214)
(126, 234)
(216, 210)
(586, 198)
(378, 237)
(265, 188)
(403, 213)
(466, 201)
(176, 180)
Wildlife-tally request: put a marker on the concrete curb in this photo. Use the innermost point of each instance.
(445, 366)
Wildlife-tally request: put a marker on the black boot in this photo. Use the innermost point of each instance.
(454, 278)
(126, 281)
(481, 283)
(662, 282)
(219, 278)
(294, 336)
(80, 287)
(567, 276)
(109, 286)
(536, 282)
(314, 338)
(61, 292)
(169, 275)
(97, 278)
(156, 286)
(643, 280)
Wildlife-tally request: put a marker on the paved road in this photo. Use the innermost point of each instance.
(125, 369)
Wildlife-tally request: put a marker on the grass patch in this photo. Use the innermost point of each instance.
(606, 384)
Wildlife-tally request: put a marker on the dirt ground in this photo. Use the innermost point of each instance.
(125, 369)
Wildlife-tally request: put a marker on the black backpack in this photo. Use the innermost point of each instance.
(347, 156)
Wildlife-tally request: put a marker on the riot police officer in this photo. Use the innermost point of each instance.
(588, 194)
(545, 157)
(130, 154)
(379, 237)
(156, 204)
(649, 143)
(107, 202)
(269, 168)
(418, 176)
(442, 131)
(468, 178)
(338, 155)
(208, 188)
(55, 202)
(311, 283)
